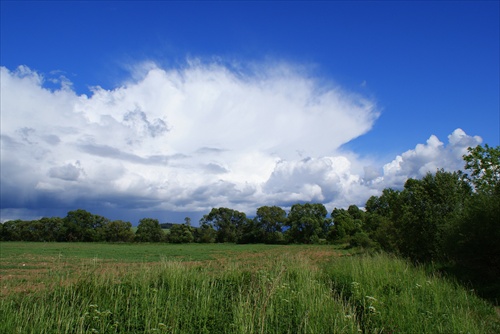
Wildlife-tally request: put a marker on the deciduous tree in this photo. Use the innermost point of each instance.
(306, 223)
(118, 231)
(483, 167)
(271, 220)
(149, 230)
(430, 207)
(227, 222)
(181, 233)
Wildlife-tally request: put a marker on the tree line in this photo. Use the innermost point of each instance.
(445, 217)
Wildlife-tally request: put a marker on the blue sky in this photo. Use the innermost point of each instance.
(301, 101)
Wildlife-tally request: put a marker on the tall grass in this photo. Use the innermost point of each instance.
(285, 294)
(390, 295)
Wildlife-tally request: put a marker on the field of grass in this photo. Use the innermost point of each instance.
(225, 288)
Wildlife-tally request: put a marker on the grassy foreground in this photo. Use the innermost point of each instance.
(227, 289)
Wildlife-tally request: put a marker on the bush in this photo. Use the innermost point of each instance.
(361, 239)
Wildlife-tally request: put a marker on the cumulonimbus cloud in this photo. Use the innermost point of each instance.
(191, 138)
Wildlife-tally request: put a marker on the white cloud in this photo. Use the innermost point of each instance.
(429, 157)
(196, 137)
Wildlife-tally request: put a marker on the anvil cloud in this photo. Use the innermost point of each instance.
(183, 140)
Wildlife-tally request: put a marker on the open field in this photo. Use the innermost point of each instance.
(226, 288)
(27, 267)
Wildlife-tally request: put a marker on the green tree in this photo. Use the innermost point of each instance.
(474, 245)
(356, 213)
(205, 233)
(306, 223)
(346, 223)
(483, 165)
(227, 223)
(271, 220)
(251, 232)
(81, 225)
(149, 230)
(29, 230)
(430, 207)
(11, 230)
(387, 205)
(382, 231)
(181, 233)
(118, 231)
(45, 229)
(53, 229)
(36, 231)
(382, 217)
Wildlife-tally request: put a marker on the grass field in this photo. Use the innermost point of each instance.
(226, 288)
(28, 267)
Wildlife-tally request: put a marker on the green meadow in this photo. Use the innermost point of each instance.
(227, 288)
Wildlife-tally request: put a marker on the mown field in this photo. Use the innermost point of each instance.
(226, 288)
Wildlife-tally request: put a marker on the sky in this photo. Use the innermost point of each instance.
(168, 109)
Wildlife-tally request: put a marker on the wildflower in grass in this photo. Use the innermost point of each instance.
(370, 298)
